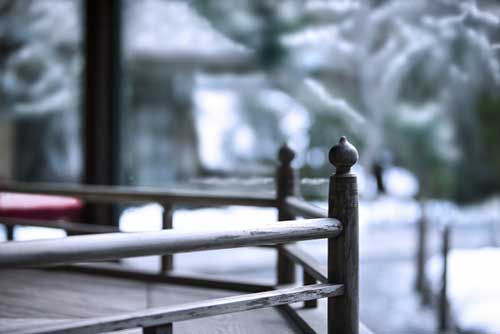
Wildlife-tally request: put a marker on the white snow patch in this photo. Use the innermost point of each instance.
(473, 285)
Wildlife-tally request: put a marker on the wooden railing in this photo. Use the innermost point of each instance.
(338, 281)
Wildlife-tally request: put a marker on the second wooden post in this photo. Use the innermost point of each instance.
(343, 251)
(285, 186)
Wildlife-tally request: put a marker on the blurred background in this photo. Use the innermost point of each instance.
(203, 93)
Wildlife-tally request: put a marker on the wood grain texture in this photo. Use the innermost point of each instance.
(316, 318)
(173, 277)
(164, 315)
(343, 255)
(122, 245)
(343, 252)
(59, 295)
(30, 299)
(22, 290)
(122, 194)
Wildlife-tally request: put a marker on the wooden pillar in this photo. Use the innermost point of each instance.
(163, 329)
(167, 261)
(421, 285)
(443, 307)
(308, 280)
(9, 231)
(102, 101)
(343, 251)
(285, 186)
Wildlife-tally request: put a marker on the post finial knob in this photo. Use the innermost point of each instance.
(343, 156)
(286, 154)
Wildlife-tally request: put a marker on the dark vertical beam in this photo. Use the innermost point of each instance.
(444, 322)
(421, 285)
(9, 231)
(163, 329)
(167, 261)
(343, 251)
(285, 186)
(102, 99)
(309, 280)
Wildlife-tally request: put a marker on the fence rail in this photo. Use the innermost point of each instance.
(112, 246)
(167, 315)
(339, 282)
(124, 194)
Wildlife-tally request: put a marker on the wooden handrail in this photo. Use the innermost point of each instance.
(302, 208)
(121, 245)
(125, 194)
(165, 315)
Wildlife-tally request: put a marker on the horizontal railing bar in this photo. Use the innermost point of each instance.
(110, 246)
(63, 225)
(123, 194)
(308, 263)
(170, 314)
(173, 277)
(302, 208)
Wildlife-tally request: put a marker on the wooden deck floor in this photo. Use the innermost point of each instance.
(30, 298)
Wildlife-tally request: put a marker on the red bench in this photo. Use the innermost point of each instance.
(28, 206)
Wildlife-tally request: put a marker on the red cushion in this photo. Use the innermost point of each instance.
(39, 206)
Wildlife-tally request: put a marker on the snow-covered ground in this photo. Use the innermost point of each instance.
(473, 286)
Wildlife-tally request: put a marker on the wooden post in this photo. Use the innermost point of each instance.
(167, 261)
(309, 280)
(444, 314)
(421, 285)
(285, 186)
(9, 231)
(343, 252)
(102, 102)
(163, 329)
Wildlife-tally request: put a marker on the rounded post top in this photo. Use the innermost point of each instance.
(286, 154)
(343, 156)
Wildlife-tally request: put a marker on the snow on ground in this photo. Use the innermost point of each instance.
(473, 286)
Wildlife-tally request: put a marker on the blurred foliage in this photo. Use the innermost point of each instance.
(414, 78)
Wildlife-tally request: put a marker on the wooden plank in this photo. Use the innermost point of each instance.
(21, 325)
(165, 315)
(79, 228)
(316, 318)
(123, 194)
(294, 317)
(308, 263)
(88, 300)
(122, 245)
(177, 278)
(266, 320)
(60, 295)
(300, 207)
